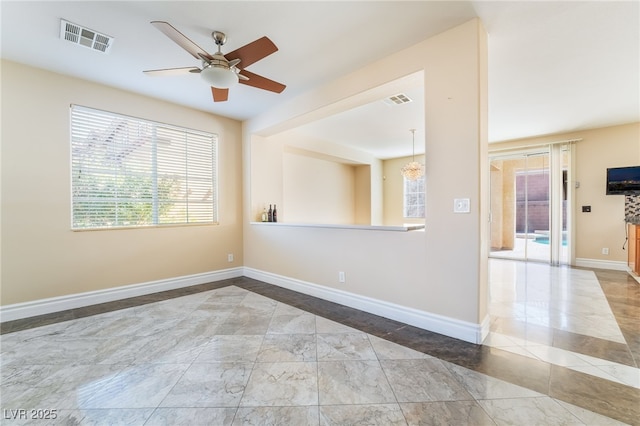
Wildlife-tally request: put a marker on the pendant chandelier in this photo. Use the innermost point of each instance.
(413, 170)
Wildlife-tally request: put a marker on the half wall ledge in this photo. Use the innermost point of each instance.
(396, 228)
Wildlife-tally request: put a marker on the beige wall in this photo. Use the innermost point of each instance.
(317, 190)
(362, 196)
(441, 270)
(604, 226)
(314, 181)
(597, 150)
(394, 191)
(41, 256)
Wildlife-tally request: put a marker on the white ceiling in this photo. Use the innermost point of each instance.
(553, 66)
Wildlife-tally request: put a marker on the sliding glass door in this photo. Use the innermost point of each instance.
(529, 205)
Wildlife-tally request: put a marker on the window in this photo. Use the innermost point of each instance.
(414, 196)
(129, 172)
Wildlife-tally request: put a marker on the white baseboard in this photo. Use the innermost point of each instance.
(469, 332)
(602, 264)
(72, 301)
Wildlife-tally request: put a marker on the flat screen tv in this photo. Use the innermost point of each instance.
(623, 180)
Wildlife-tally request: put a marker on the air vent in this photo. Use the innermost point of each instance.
(398, 99)
(85, 37)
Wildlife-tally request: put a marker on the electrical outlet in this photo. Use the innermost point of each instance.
(230, 257)
(605, 250)
(341, 277)
(461, 205)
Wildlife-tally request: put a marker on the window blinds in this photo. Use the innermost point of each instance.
(129, 172)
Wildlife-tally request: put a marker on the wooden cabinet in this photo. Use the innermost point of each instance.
(634, 247)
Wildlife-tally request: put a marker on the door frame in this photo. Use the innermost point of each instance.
(557, 185)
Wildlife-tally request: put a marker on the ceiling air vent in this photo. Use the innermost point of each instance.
(398, 99)
(85, 37)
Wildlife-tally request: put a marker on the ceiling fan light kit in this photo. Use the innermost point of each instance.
(222, 71)
(218, 74)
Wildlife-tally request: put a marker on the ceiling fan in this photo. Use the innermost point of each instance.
(221, 71)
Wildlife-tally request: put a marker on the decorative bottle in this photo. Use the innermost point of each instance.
(275, 213)
(264, 214)
(270, 214)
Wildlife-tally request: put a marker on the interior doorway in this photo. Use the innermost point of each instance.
(529, 194)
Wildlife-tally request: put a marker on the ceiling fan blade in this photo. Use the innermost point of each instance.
(253, 52)
(261, 82)
(219, 95)
(180, 39)
(172, 71)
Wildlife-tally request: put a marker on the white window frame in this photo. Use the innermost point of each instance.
(413, 198)
(128, 172)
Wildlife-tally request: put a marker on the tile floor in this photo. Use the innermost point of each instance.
(245, 352)
(561, 300)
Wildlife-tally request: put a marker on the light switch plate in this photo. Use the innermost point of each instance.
(461, 205)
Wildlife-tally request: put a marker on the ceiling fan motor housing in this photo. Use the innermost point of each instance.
(219, 38)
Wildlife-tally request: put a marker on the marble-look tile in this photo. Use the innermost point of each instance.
(520, 328)
(259, 302)
(270, 416)
(282, 384)
(528, 411)
(624, 374)
(231, 348)
(385, 349)
(227, 300)
(192, 416)
(599, 326)
(593, 346)
(522, 370)
(288, 347)
(481, 386)
(74, 360)
(210, 385)
(556, 356)
(499, 340)
(589, 417)
(202, 323)
(168, 309)
(324, 325)
(378, 414)
(102, 417)
(139, 325)
(58, 349)
(518, 350)
(419, 380)
(138, 386)
(594, 371)
(353, 382)
(445, 413)
(344, 346)
(285, 309)
(36, 322)
(296, 323)
(101, 325)
(247, 320)
(54, 386)
(174, 348)
(614, 400)
(51, 330)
